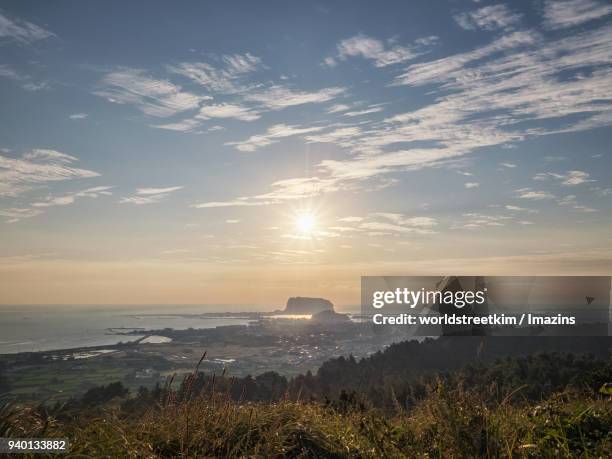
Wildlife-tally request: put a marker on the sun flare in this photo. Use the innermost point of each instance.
(305, 223)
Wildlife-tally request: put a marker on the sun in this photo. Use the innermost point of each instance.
(305, 223)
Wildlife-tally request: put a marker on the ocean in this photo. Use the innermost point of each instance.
(46, 328)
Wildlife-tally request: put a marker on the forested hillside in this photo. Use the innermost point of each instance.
(489, 402)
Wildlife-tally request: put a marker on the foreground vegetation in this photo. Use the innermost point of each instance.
(462, 414)
(447, 423)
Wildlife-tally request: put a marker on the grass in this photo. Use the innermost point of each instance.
(62, 380)
(449, 422)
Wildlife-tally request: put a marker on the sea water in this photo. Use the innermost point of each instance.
(45, 327)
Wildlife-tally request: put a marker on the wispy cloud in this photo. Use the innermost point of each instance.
(228, 111)
(282, 191)
(35, 86)
(78, 116)
(149, 195)
(586, 209)
(554, 158)
(570, 201)
(37, 167)
(342, 136)
(238, 64)
(245, 100)
(188, 125)
(368, 166)
(159, 98)
(142, 200)
(15, 214)
(9, 72)
(528, 193)
(470, 185)
(365, 111)
(70, 198)
(388, 228)
(277, 97)
(569, 13)
(21, 31)
(603, 191)
(570, 178)
(382, 223)
(229, 78)
(443, 123)
(49, 155)
(239, 202)
(401, 219)
(488, 18)
(226, 78)
(337, 108)
(375, 50)
(272, 135)
(149, 191)
(350, 219)
(330, 61)
(25, 81)
(512, 208)
(344, 229)
(573, 178)
(520, 85)
(475, 220)
(443, 69)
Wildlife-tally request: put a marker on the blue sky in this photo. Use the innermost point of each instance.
(241, 151)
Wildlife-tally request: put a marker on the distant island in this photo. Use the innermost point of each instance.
(305, 305)
(320, 310)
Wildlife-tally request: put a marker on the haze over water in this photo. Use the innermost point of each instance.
(43, 328)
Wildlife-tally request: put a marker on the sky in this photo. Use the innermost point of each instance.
(243, 152)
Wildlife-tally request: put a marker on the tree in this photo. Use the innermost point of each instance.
(4, 382)
(103, 394)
